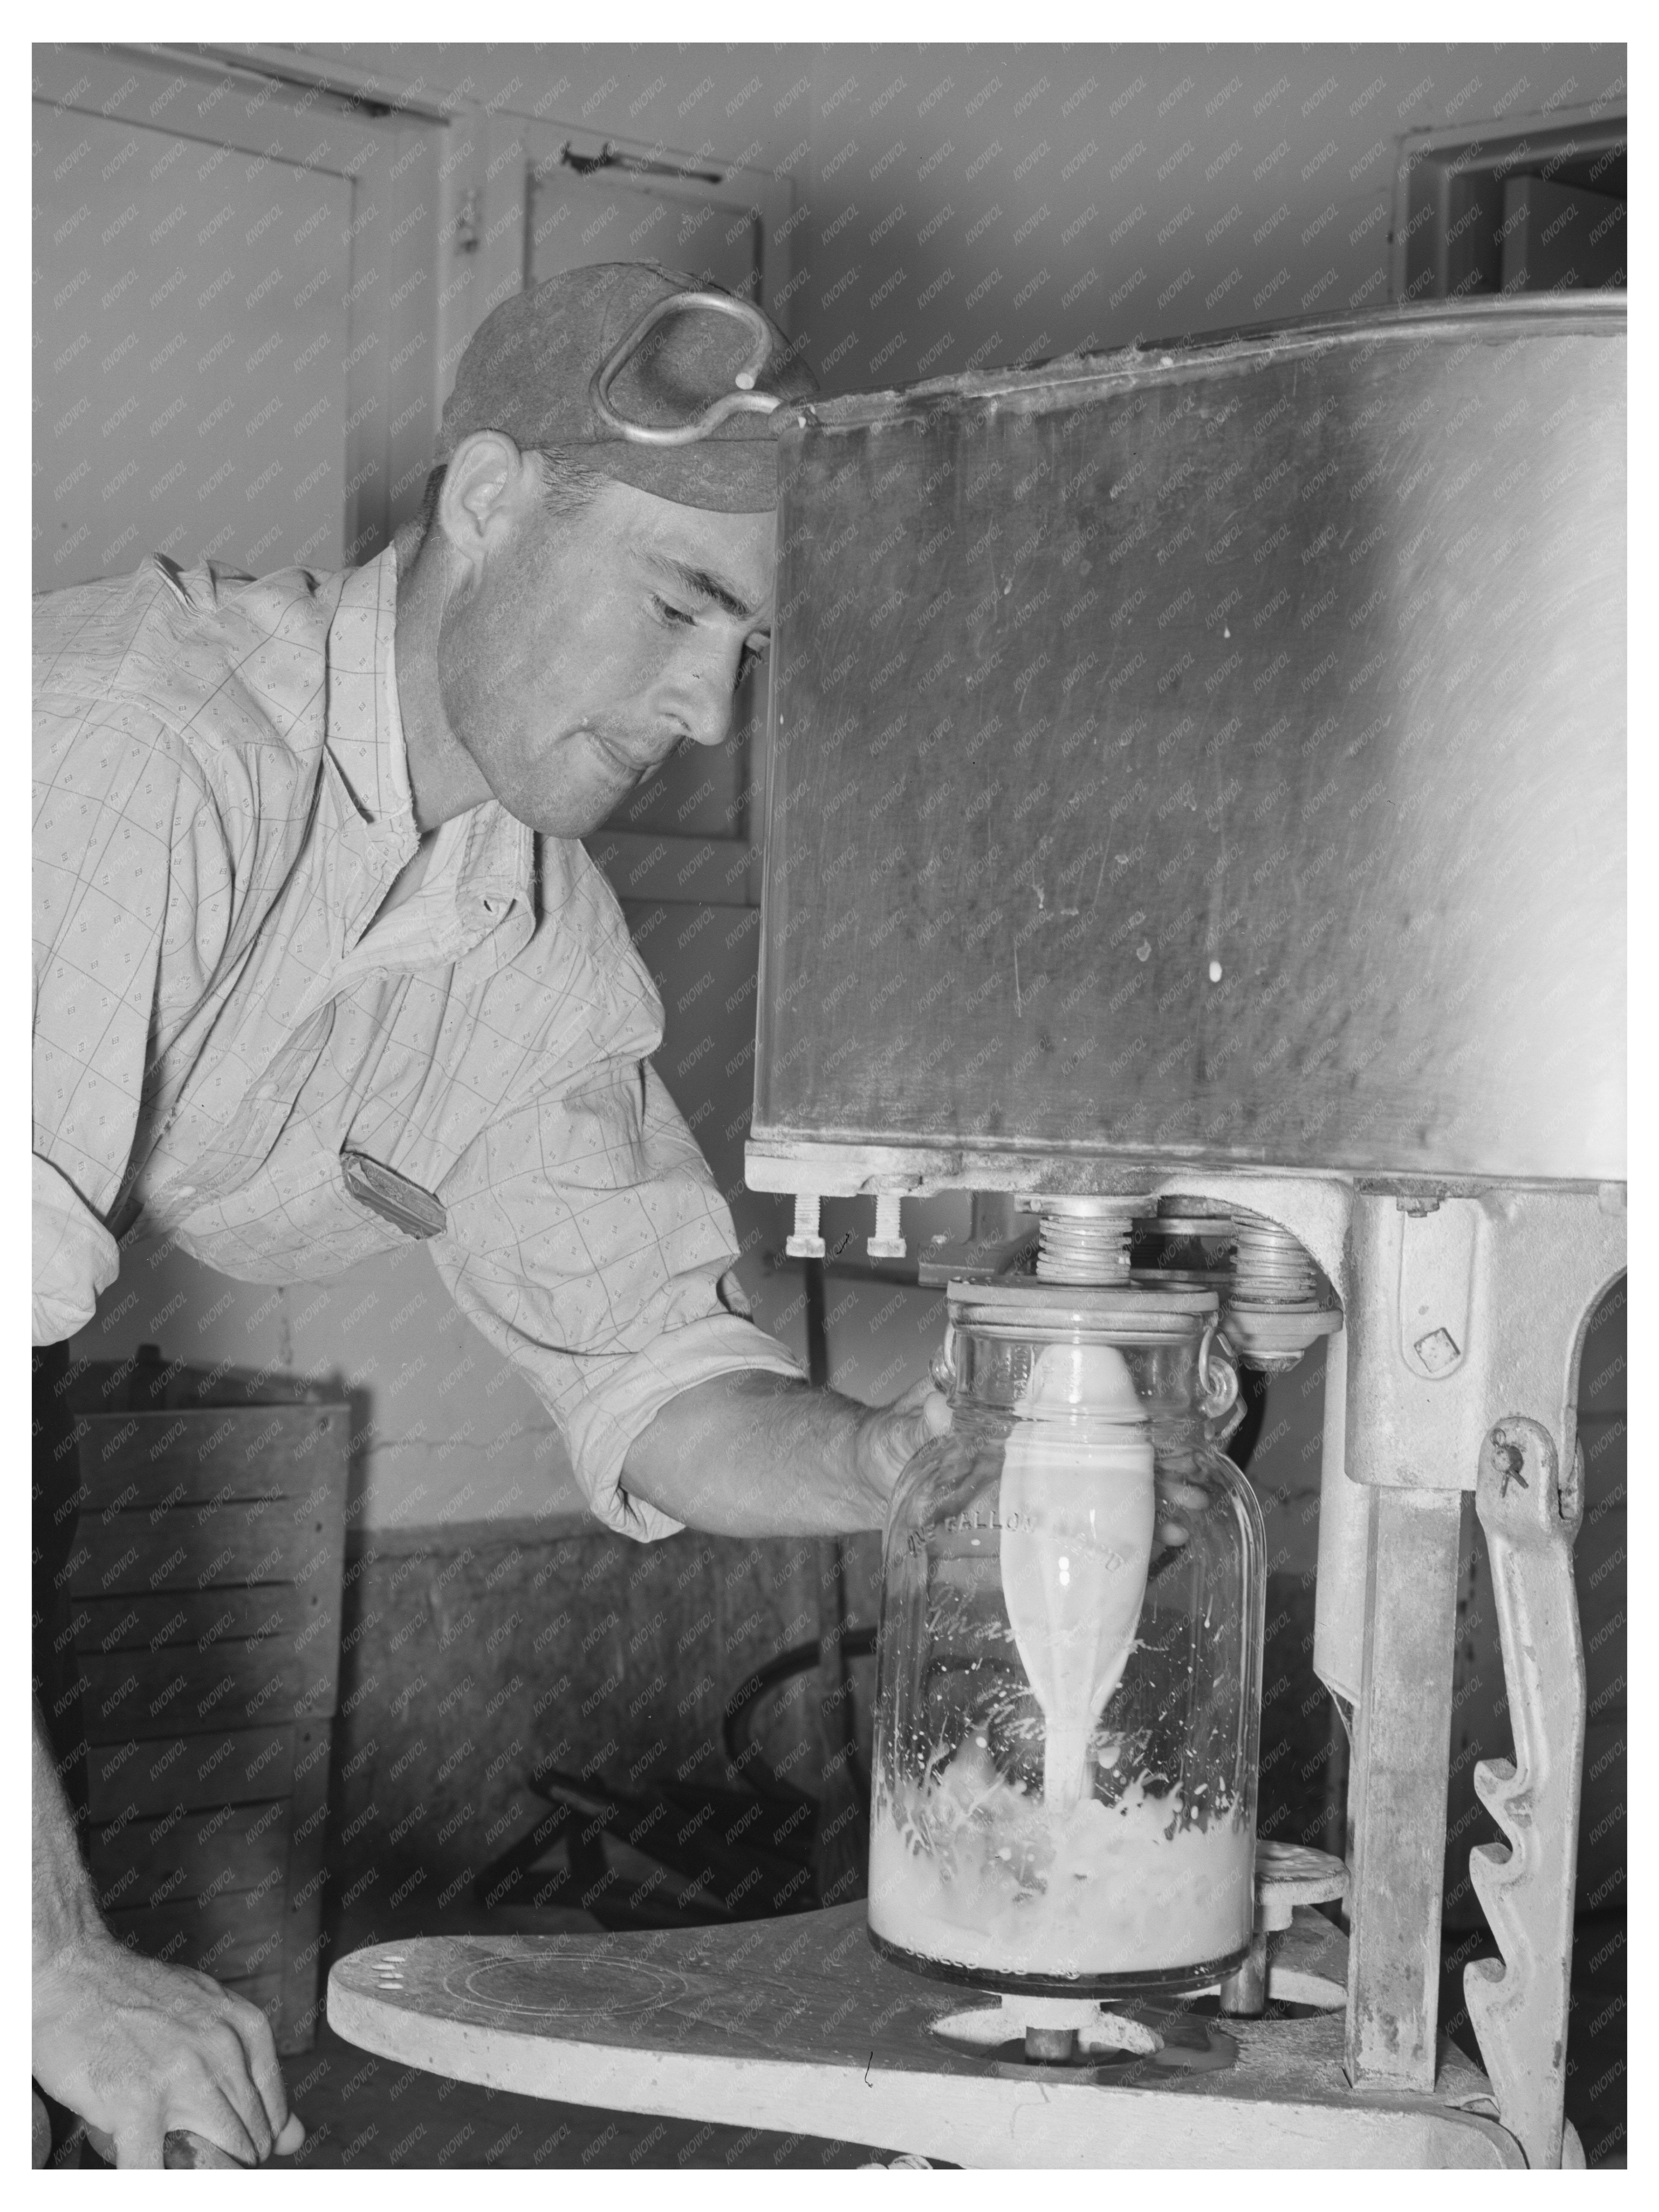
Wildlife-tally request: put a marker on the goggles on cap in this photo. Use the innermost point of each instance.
(742, 399)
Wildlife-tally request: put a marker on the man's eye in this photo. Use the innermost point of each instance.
(752, 657)
(673, 614)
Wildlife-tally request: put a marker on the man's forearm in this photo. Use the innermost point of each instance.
(64, 1908)
(752, 1454)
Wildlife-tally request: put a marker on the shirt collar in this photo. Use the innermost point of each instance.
(365, 732)
(491, 889)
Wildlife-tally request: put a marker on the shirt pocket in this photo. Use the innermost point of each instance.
(266, 1105)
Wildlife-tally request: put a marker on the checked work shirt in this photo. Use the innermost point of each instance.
(221, 804)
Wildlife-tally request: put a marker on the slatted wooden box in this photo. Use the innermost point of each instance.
(205, 1610)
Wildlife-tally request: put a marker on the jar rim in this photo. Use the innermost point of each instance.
(1158, 1313)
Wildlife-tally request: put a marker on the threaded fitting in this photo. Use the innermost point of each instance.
(1084, 1240)
(1271, 1267)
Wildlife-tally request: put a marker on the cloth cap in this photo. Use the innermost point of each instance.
(529, 368)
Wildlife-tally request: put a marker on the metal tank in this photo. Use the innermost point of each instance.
(1197, 791)
(1214, 755)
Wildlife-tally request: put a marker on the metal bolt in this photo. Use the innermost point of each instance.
(888, 1243)
(805, 1242)
(1438, 1350)
(1509, 1459)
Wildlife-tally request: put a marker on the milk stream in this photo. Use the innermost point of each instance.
(1077, 1509)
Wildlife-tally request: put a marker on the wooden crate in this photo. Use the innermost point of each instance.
(204, 1603)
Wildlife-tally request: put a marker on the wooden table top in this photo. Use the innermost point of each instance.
(798, 2023)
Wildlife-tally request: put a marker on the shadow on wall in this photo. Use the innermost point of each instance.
(464, 1666)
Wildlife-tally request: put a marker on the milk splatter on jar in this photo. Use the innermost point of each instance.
(1069, 1693)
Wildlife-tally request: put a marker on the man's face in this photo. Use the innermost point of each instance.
(584, 646)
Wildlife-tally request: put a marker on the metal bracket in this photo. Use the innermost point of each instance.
(1454, 1315)
(1518, 2004)
(1439, 1261)
(1541, 1258)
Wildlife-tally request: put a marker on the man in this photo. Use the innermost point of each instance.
(307, 886)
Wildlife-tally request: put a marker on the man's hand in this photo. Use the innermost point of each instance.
(890, 1437)
(137, 2048)
(756, 1454)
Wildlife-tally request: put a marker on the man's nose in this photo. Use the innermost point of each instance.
(704, 697)
(709, 722)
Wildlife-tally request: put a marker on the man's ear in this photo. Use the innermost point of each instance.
(488, 486)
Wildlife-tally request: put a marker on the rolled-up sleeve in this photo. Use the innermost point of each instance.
(74, 1256)
(587, 1241)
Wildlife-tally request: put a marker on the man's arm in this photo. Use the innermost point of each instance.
(130, 858)
(756, 1454)
(134, 2047)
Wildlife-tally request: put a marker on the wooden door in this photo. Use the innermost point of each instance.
(163, 353)
(231, 288)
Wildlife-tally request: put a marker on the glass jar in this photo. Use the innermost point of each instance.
(1069, 1692)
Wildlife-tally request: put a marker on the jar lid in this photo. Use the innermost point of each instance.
(1127, 1306)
